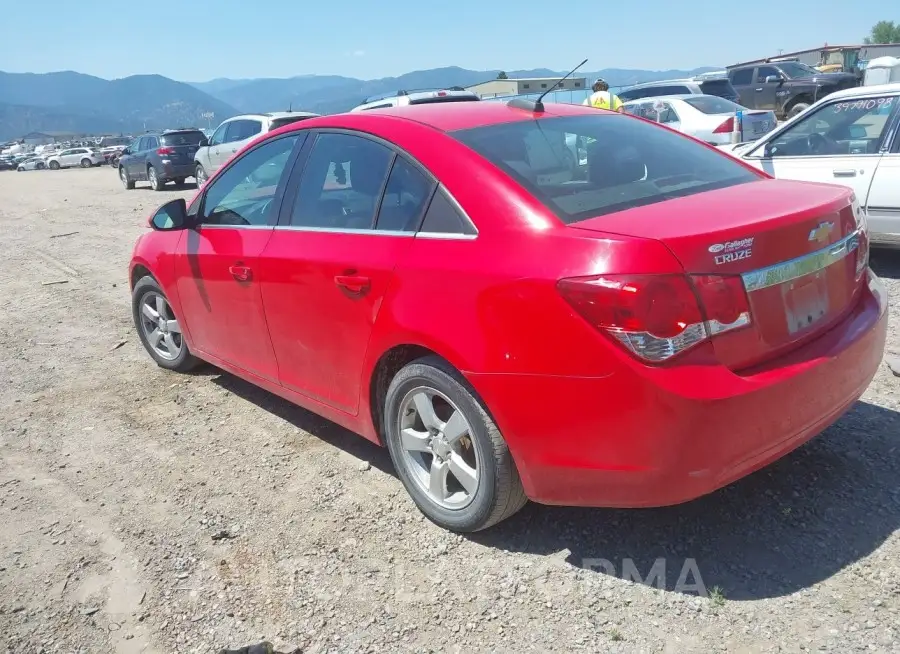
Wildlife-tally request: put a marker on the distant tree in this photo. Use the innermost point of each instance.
(884, 31)
(502, 75)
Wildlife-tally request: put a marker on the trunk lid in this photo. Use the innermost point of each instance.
(794, 244)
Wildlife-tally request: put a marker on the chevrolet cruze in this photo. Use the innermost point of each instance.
(550, 303)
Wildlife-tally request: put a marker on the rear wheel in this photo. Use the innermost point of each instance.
(180, 181)
(158, 327)
(54, 165)
(155, 182)
(39, 166)
(127, 182)
(448, 452)
(86, 163)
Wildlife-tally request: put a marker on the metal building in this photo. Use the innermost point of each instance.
(524, 86)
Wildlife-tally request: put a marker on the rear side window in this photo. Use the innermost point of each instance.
(182, 138)
(742, 77)
(719, 87)
(709, 104)
(629, 163)
(444, 218)
(405, 197)
(341, 183)
(634, 94)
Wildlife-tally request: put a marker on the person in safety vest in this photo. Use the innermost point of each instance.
(601, 98)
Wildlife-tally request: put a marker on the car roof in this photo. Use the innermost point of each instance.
(666, 82)
(450, 116)
(674, 96)
(863, 91)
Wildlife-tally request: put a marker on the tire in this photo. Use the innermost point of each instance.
(200, 175)
(86, 163)
(796, 109)
(179, 357)
(127, 182)
(496, 493)
(54, 165)
(179, 181)
(39, 166)
(155, 182)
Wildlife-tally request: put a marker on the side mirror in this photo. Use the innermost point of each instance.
(125, 151)
(204, 142)
(774, 78)
(170, 217)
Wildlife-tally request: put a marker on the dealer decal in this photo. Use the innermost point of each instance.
(732, 251)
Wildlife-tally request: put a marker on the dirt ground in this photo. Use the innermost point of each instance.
(142, 511)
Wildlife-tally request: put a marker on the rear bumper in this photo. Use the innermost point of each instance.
(172, 170)
(664, 436)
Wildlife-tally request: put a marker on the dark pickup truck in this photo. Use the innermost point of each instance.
(786, 87)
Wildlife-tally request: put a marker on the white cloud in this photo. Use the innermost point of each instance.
(358, 53)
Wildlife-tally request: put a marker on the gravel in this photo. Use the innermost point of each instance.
(150, 512)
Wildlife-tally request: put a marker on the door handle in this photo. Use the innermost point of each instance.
(844, 172)
(241, 273)
(758, 90)
(355, 284)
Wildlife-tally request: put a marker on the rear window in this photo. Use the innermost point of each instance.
(445, 98)
(710, 104)
(586, 166)
(720, 87)
(182, 138)
(281, 122)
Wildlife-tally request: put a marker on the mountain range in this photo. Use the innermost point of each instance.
(77, 103)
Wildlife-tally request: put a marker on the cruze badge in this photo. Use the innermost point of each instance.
(731, 251)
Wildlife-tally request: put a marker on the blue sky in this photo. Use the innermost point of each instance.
(197, 41)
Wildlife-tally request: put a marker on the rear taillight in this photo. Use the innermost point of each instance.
(165, 150)
(862, 236)
(725, 128)
(656, 317)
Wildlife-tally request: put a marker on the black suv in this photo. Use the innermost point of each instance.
(160, 158)
(785, 87)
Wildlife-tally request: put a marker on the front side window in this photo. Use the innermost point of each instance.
(342, 182)
(218, 136)
(838, 128)
(243, 194)
(766, 71)
(628, 163)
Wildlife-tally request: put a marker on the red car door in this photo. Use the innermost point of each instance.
(217, 263)
(330, 262)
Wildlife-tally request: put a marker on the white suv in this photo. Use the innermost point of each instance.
(234, 133)
(426, 96)
(84, 157)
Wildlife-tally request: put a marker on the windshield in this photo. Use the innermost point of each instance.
(281, 122)
(445, 98)
(710, 104)
(182, 138)
(794, 69)
(586, 166)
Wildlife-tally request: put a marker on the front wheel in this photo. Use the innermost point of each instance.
(798, 108)
(86, 163)
(54, 165)
(158, 327)
(447, 450)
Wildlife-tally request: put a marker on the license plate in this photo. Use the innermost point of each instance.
(805, 302)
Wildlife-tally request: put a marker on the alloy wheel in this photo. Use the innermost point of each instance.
(160, 327)
(437, 449)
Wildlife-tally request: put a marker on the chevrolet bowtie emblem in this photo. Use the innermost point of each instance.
(821, 232)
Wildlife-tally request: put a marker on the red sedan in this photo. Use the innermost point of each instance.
(566, 305)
